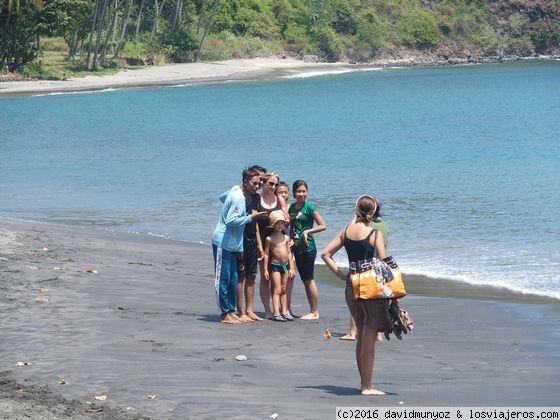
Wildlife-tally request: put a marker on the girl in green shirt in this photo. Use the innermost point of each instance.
(303, 216)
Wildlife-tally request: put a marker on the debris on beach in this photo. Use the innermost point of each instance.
(141, 263)
(241, 358)
(95, 410)
(43, 289)
(24, 364)
(32, 267)
(91, 271)
(41, 300)
(152, 397)
(59, 268)
(327, 334)
(63, 381)
(101, 397)
(273, 416)
(130, 409)
(45, 249)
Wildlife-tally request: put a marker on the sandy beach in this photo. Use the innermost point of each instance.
(215, 71)
(132, 321)
(172, 74)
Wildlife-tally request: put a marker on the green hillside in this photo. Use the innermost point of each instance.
(49, 38)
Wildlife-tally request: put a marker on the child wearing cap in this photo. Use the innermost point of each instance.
(283, 191)
(278, 265)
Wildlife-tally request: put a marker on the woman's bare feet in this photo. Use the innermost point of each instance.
(311, 315)
(254, 316)
(372, 391)
(245, 318)
(351, 336)
(379, 337)
(230, 318)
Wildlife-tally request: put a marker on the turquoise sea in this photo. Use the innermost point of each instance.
(465, 160)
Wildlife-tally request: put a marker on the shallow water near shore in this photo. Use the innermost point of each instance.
(463, 159)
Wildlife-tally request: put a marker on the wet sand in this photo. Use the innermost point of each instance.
(90, 313)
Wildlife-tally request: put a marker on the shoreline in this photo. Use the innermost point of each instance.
(133, 318)
(417, 284)
(169, 75)
(222, 71)
(421, 285)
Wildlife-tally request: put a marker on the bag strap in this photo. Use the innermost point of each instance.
(374, 239)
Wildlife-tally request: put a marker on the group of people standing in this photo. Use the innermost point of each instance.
(260, 232)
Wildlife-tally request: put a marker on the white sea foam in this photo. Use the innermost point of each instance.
(74, 92)
(57, 93)
(317, 73)
(546, 285)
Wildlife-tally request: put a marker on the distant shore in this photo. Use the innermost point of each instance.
(107, 325)
(241, 69)
(171, 74)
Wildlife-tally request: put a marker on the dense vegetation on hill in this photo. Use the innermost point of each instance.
(97, 34)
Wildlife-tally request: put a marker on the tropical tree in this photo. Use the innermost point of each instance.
(19, 33)
(68, 19)
(210, 18)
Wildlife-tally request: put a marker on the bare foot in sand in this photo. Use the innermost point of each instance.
(379, 337)
(311, 315)
(349, 337)
(372, 391)
(254, 316)
(245, 318)
(237, 318)
(230, 319)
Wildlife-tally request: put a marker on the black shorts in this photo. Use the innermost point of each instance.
(305, 264)
(248, 260)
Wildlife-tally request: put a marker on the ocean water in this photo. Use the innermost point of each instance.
(465, 160)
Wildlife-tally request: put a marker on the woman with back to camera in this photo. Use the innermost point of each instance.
(371, 316)
(381, 226)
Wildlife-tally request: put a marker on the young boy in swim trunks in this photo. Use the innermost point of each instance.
(278, 265)
(283, 191)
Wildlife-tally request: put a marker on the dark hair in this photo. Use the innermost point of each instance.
(377, 215)
(298, 184)
(258, 168)
(249, 173)
(283, 184)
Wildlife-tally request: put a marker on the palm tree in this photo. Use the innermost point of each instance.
(9, 11)
(15, 5)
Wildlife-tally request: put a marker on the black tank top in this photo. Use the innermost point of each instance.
(358, 250)
(263, 220)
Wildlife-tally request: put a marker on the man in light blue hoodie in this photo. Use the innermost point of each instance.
(227, 241)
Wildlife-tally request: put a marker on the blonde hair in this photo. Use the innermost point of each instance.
(271, 174)
(365, 209)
